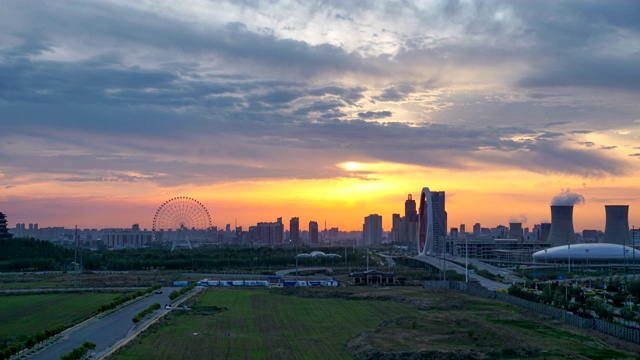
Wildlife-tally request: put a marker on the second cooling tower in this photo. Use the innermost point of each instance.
(561, 232)
(616, 230)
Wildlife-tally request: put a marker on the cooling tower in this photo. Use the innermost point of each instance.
(616, 230)
(515, 231)
(561, 232)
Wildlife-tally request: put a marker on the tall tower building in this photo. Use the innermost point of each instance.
(294, 230)
(439, 215)
(408, 227)
(410, 211)
(463, 229)
(372, 230)
(313, 232)
(396, 223)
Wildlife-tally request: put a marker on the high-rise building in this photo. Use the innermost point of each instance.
(463, 229)
(313, 232)
(477, 229)
(545, 228)
(410, 211)
(372, 230)
(405, 229)
(396, 222)
(439, 214)
(270, 233)
(294, 230)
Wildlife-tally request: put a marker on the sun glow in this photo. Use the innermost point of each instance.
(352, 166)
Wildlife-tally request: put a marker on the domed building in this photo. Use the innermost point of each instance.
(591, 253)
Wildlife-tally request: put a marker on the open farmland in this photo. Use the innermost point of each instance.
(362, 323)
(25, 315)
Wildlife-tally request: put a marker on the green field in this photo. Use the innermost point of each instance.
(24, 315)
(362, 323)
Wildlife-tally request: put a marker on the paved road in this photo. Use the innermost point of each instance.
(440, 263)
(104, 332)
(293, 271)
(505, 273)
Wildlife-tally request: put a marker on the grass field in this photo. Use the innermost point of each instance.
(362, 323)
(258, 324)
(142, 279)
(25, 315)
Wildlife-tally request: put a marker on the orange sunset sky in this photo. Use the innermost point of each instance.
(328, 112)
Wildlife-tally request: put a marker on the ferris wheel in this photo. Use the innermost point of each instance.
(180, 220)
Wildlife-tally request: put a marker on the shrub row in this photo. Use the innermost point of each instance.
(8, 351)
(177, 293)
(128, 297)
(79, 352)
(136, 319)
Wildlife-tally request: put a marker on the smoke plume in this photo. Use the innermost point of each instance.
(567, 198)
(518, 219)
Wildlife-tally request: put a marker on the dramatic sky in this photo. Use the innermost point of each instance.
(325, 110)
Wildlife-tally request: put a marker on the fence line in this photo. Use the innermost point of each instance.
(618, 331)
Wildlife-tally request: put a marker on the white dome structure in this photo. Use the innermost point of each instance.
(588, 252)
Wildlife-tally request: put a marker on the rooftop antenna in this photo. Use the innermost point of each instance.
(324, 236)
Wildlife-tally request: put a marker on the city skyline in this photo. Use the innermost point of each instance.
(327, 112)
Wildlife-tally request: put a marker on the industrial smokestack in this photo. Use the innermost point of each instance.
(616, 230)
(561, 232)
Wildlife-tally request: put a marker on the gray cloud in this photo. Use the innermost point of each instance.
(375, 114)
(397, 93)
(172, 98)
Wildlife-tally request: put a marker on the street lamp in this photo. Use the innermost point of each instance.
(569, 256)
(466, 260)
(587, 251)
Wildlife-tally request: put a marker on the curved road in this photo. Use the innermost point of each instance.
(104, 332)
(439, 262)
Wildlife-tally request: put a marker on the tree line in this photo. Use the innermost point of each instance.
(28, 254)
